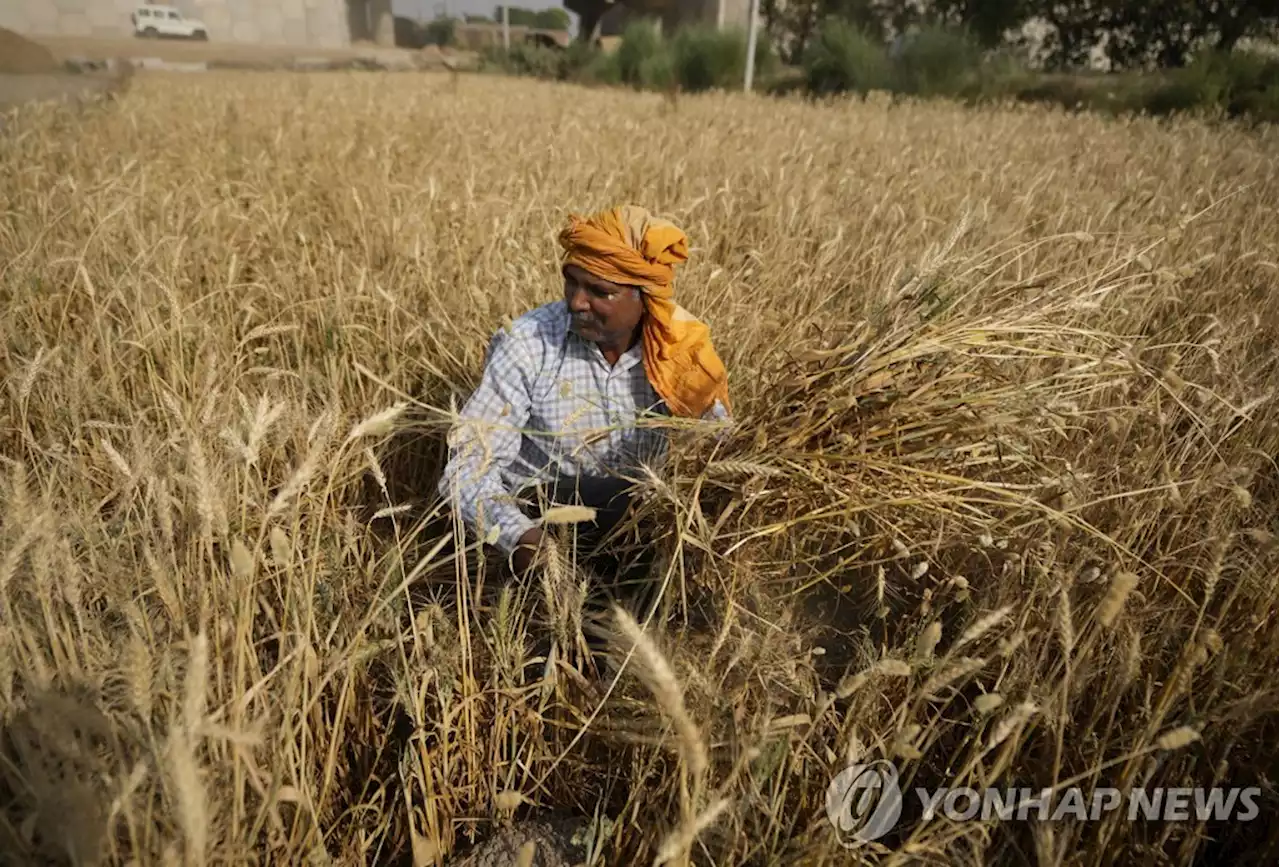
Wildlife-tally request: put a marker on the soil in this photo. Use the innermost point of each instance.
(18, 89)
(178, 50)
(21, 56)
(36, 68)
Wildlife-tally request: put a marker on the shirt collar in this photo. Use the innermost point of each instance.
(626, 361)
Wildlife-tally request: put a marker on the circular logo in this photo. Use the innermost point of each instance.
(864, 802)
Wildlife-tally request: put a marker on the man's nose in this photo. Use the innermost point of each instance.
(578, 300)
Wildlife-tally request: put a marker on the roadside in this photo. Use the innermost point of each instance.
(43, 68)
(31, 72)
(161, 53)
(16, 90)
(66, 48)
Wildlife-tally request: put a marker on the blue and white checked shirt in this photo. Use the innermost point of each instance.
(549, 406)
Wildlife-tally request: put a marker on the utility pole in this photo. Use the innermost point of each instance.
(506, 29)
(752, 27)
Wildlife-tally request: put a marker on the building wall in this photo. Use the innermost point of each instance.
(318, 23)
(735, 13)
(674, 15)
(104, 18)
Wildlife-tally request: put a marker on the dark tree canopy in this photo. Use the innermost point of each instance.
(546, 19)
(1133, 33)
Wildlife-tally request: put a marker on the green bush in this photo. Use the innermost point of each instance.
(1236, 84)
(844, 59)
(640, 41)
(706, 58)
(525, 58)
(696, 58)
(658, 71)
(602, 69)
(440, 31)
(935, 61)
(578, 61)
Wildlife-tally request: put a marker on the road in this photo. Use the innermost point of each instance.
(65, 47)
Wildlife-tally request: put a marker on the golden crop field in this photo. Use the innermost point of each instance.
(999, 504)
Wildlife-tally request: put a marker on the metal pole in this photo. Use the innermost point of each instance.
(506, 29)
(752, 27)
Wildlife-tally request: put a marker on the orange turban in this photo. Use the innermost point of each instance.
(628, 245)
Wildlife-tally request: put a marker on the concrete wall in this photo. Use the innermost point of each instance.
(735, 13)
(319, 23)
(104, 18)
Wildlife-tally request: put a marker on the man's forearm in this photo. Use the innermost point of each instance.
(485, 506)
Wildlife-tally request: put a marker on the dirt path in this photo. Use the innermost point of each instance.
(18, 89)
(43, 76)
(69, 47)
(30, 71)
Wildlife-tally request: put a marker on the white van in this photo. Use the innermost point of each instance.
(156, 21)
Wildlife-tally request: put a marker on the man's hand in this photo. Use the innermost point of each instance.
(526, 549)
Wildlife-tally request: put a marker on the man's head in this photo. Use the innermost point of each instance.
(602, 311)
(609, 253)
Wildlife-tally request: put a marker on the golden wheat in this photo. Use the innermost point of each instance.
(981, 362)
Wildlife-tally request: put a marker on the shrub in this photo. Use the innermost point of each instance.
(843, 59)
(525, 58)
(658, 71)
(640, 41)
(1237, 84)
(707, 58)
(440, 31)
(578, 60)
(602, 69)
(935, 61)
(696, 58)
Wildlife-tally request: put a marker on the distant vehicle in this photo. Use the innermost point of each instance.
(156, 21)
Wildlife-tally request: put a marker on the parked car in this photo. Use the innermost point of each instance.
(156, 21)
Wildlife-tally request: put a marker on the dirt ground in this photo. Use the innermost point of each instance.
(42, 58)
(20, 55)
(66, 47)
(18, 89)
(31, 72)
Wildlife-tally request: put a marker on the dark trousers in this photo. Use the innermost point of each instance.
(620, 567)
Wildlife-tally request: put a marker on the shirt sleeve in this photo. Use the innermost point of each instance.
(486, 440)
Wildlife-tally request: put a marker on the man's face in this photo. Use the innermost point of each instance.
(602, 312)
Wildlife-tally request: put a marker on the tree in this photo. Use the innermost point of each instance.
(986, 20)
(790, 25)
(875, 18)
(793, 24)
(1167, 33)
(552, 19)
(548, 19)
(1076, 26)
(1136, 33)
(441, 31)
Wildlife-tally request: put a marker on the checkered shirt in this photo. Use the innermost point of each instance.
(549, 407)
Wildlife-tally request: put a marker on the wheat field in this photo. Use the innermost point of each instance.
(999, 502)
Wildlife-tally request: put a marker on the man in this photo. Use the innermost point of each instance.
(568, 387)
